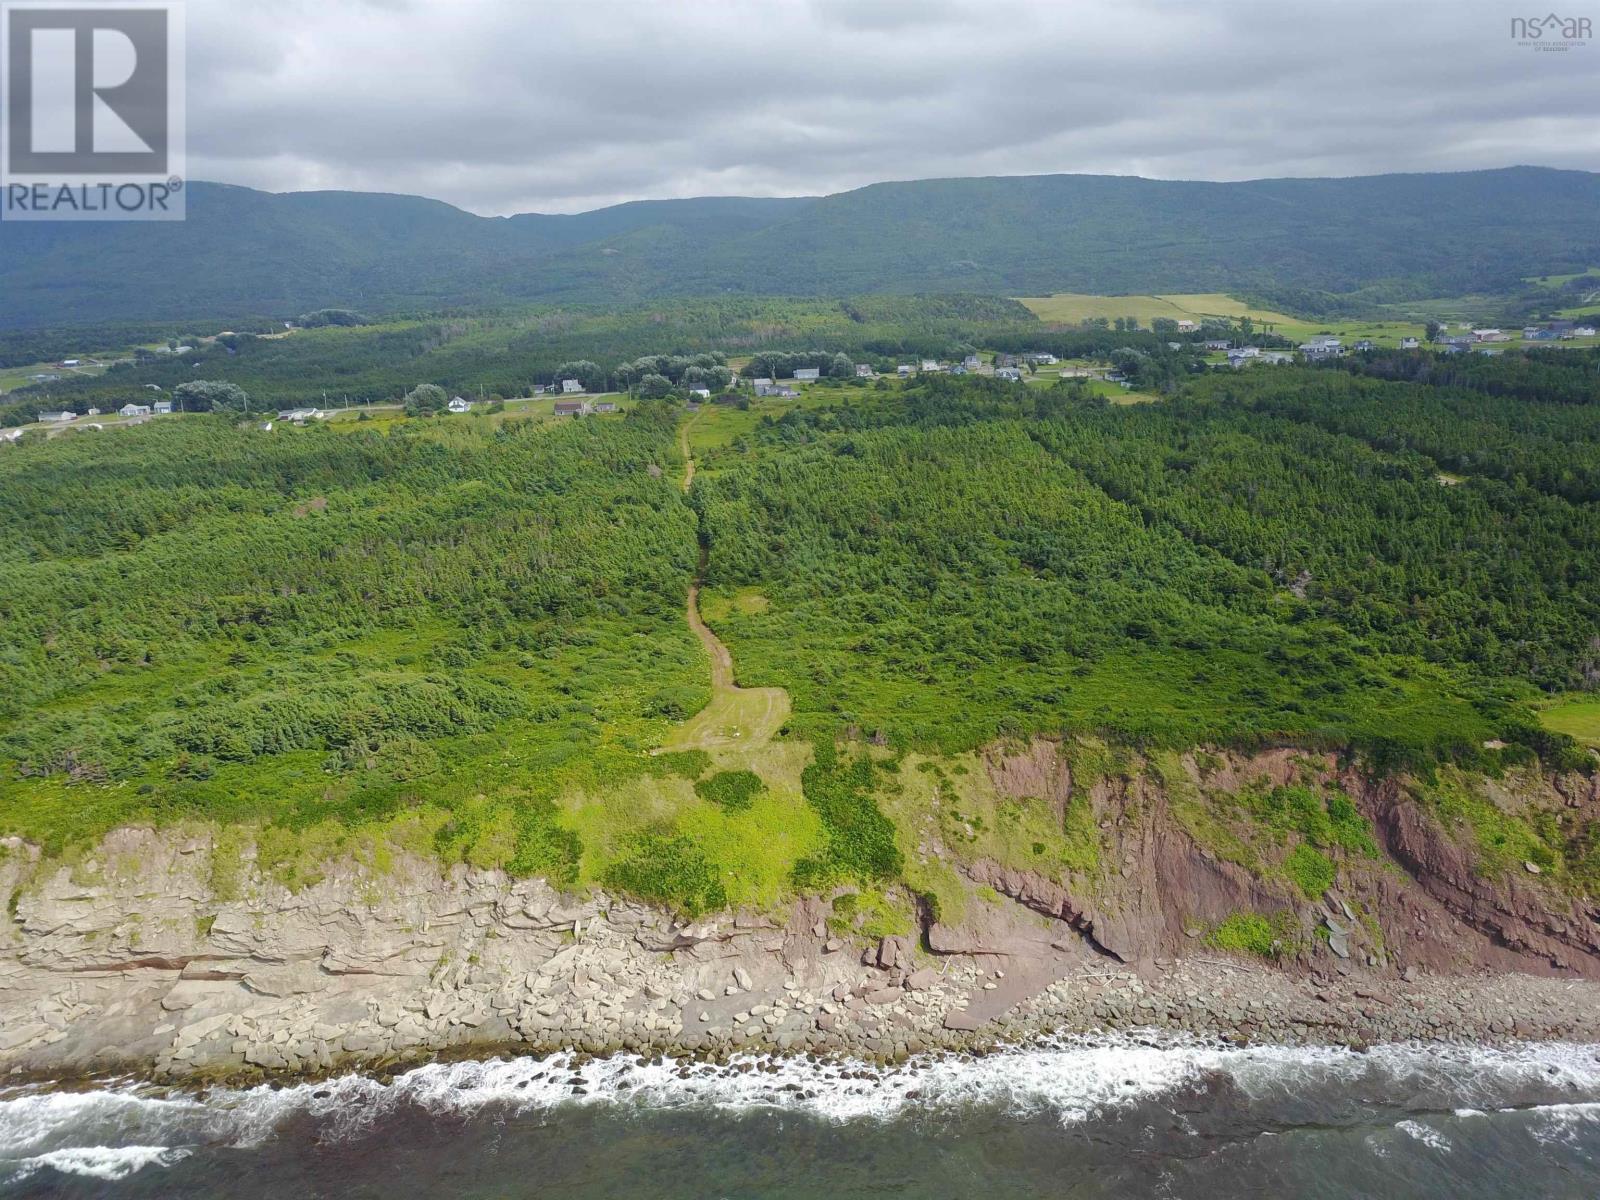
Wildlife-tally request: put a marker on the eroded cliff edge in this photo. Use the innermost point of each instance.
(141, 955)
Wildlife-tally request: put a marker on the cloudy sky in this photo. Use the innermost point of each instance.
(504, 106)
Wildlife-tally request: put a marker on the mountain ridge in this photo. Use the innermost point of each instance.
(244, 252)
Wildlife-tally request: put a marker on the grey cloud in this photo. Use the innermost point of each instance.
(507, 106)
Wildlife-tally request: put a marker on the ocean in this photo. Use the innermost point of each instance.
(1119, 1116)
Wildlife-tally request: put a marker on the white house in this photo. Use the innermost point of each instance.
(458, 405)
(70, 362)
(761, 382)
(162, 407)
(1010, 373)
(572, 408)
(1583, 331)
(1409, 343)
(903, 370)
(134, 410)
(1043, 359)
(700, 393)
(929, 365)
(1186, 326)
(571, 385)
(805, 374)
(1322, 346)
(299, 415)
(57, 418)
(863, 370)
(10, 435)
(605, 406)
(972, 362)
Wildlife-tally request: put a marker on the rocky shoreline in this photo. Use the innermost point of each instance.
(135, 966)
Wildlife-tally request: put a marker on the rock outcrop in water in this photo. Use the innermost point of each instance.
(130, 958)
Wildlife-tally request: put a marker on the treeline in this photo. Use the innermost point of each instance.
(1560, 375)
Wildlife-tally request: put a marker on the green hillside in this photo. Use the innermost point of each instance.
(1310, 244)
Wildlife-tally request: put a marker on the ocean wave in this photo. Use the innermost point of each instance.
(1071, 1080)
(1562, 1123)
(1426, 1134)
(99, 1162)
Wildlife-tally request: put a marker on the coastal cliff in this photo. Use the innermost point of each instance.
(178, 953)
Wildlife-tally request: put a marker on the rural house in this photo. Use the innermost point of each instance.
(572, 385)
(134, 410)
(1409, 343)
(863, 370)
(162, 407)
(776, 391)
(606, 406)
(57, 418)
(807, 373)
(1322, 346)
(458, 405)
(571, 408)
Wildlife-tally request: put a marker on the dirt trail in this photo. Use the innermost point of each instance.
(736, 716)
(688, 458)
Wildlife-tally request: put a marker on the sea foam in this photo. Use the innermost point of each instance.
(1070, 1080)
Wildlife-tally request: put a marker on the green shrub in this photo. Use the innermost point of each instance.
(735, 791)
(861, 842)
(1309, 870)
(1252, 933)
(670, 871)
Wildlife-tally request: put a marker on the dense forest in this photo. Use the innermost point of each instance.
(971, 562)
(199, 619)
(469, 632)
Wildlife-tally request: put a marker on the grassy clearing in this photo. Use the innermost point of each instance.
(1075, 307)
(1576, 716)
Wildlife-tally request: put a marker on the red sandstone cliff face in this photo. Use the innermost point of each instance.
(1423, 904)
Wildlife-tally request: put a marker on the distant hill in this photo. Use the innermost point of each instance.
(1298, 242)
